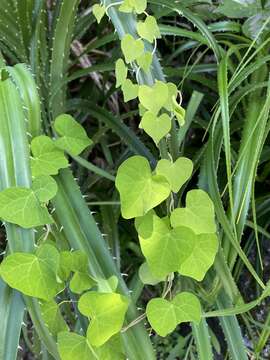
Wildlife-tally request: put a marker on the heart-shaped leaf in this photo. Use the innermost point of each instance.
(132, 49)
(130, 90)
(99, 12)
(165, 315)
(73, 261)
(21, 206)
(73, 346)
(156, 126)
(168, 250)
(145, 61)
(33, 274)
(179, 112)
(138, 6)
(80, 282)
(73, 136)
(198, 215)
(52, 317)
(107, 312)
(197, 253)
(44, 187)
(148, 29)
(47, 158)
(155, 97)
(107, 285)
(160, 245)
(176, 173)
(112, 350)
(77, 262)
(120, 72)
(147, 277)
(172, 93)
(140, 191)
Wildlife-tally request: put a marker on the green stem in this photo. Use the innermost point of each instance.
(93, 168)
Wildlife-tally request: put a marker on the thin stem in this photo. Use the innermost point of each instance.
(93, 168)
(134, 322)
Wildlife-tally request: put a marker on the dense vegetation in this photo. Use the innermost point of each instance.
(134, 174)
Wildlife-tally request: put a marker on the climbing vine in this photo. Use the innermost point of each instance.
(175, 240)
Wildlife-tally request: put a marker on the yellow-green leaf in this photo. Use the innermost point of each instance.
(107, 312)
(73, 136)
(177, 173)
(47, 158)
(22, 207)
(33, 274)
(165, 315)
(140, 191)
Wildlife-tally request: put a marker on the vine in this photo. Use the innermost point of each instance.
(179, 242)
(184, 240)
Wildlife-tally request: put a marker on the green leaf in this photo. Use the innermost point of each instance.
(21, 206)
(155, 97)
(197, 253)
(138, 6)
(145, 61)
(140, 191)
(80, 282)
(44, 187)
(99, 12)
(73, 136)
(73, 346)
(107, 285)
(198, 215)
(172, 93)
(107, 313)
(132, 49)
(160, 245)
(33, 274)
(147, 277)
(237, 9)
(156, 126)
(72, 261)
(148, 29)
(48, 159)
(52, 317)
(168, 250)
(165, 315)
(130, 90)
(112, 350)
(176, 173)
(253, 25)
(77, 262)
(179, 112)
(120, 72)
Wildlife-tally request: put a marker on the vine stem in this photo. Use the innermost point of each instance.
(134, 322)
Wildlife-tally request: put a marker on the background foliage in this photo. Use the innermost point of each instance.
(217, 54)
